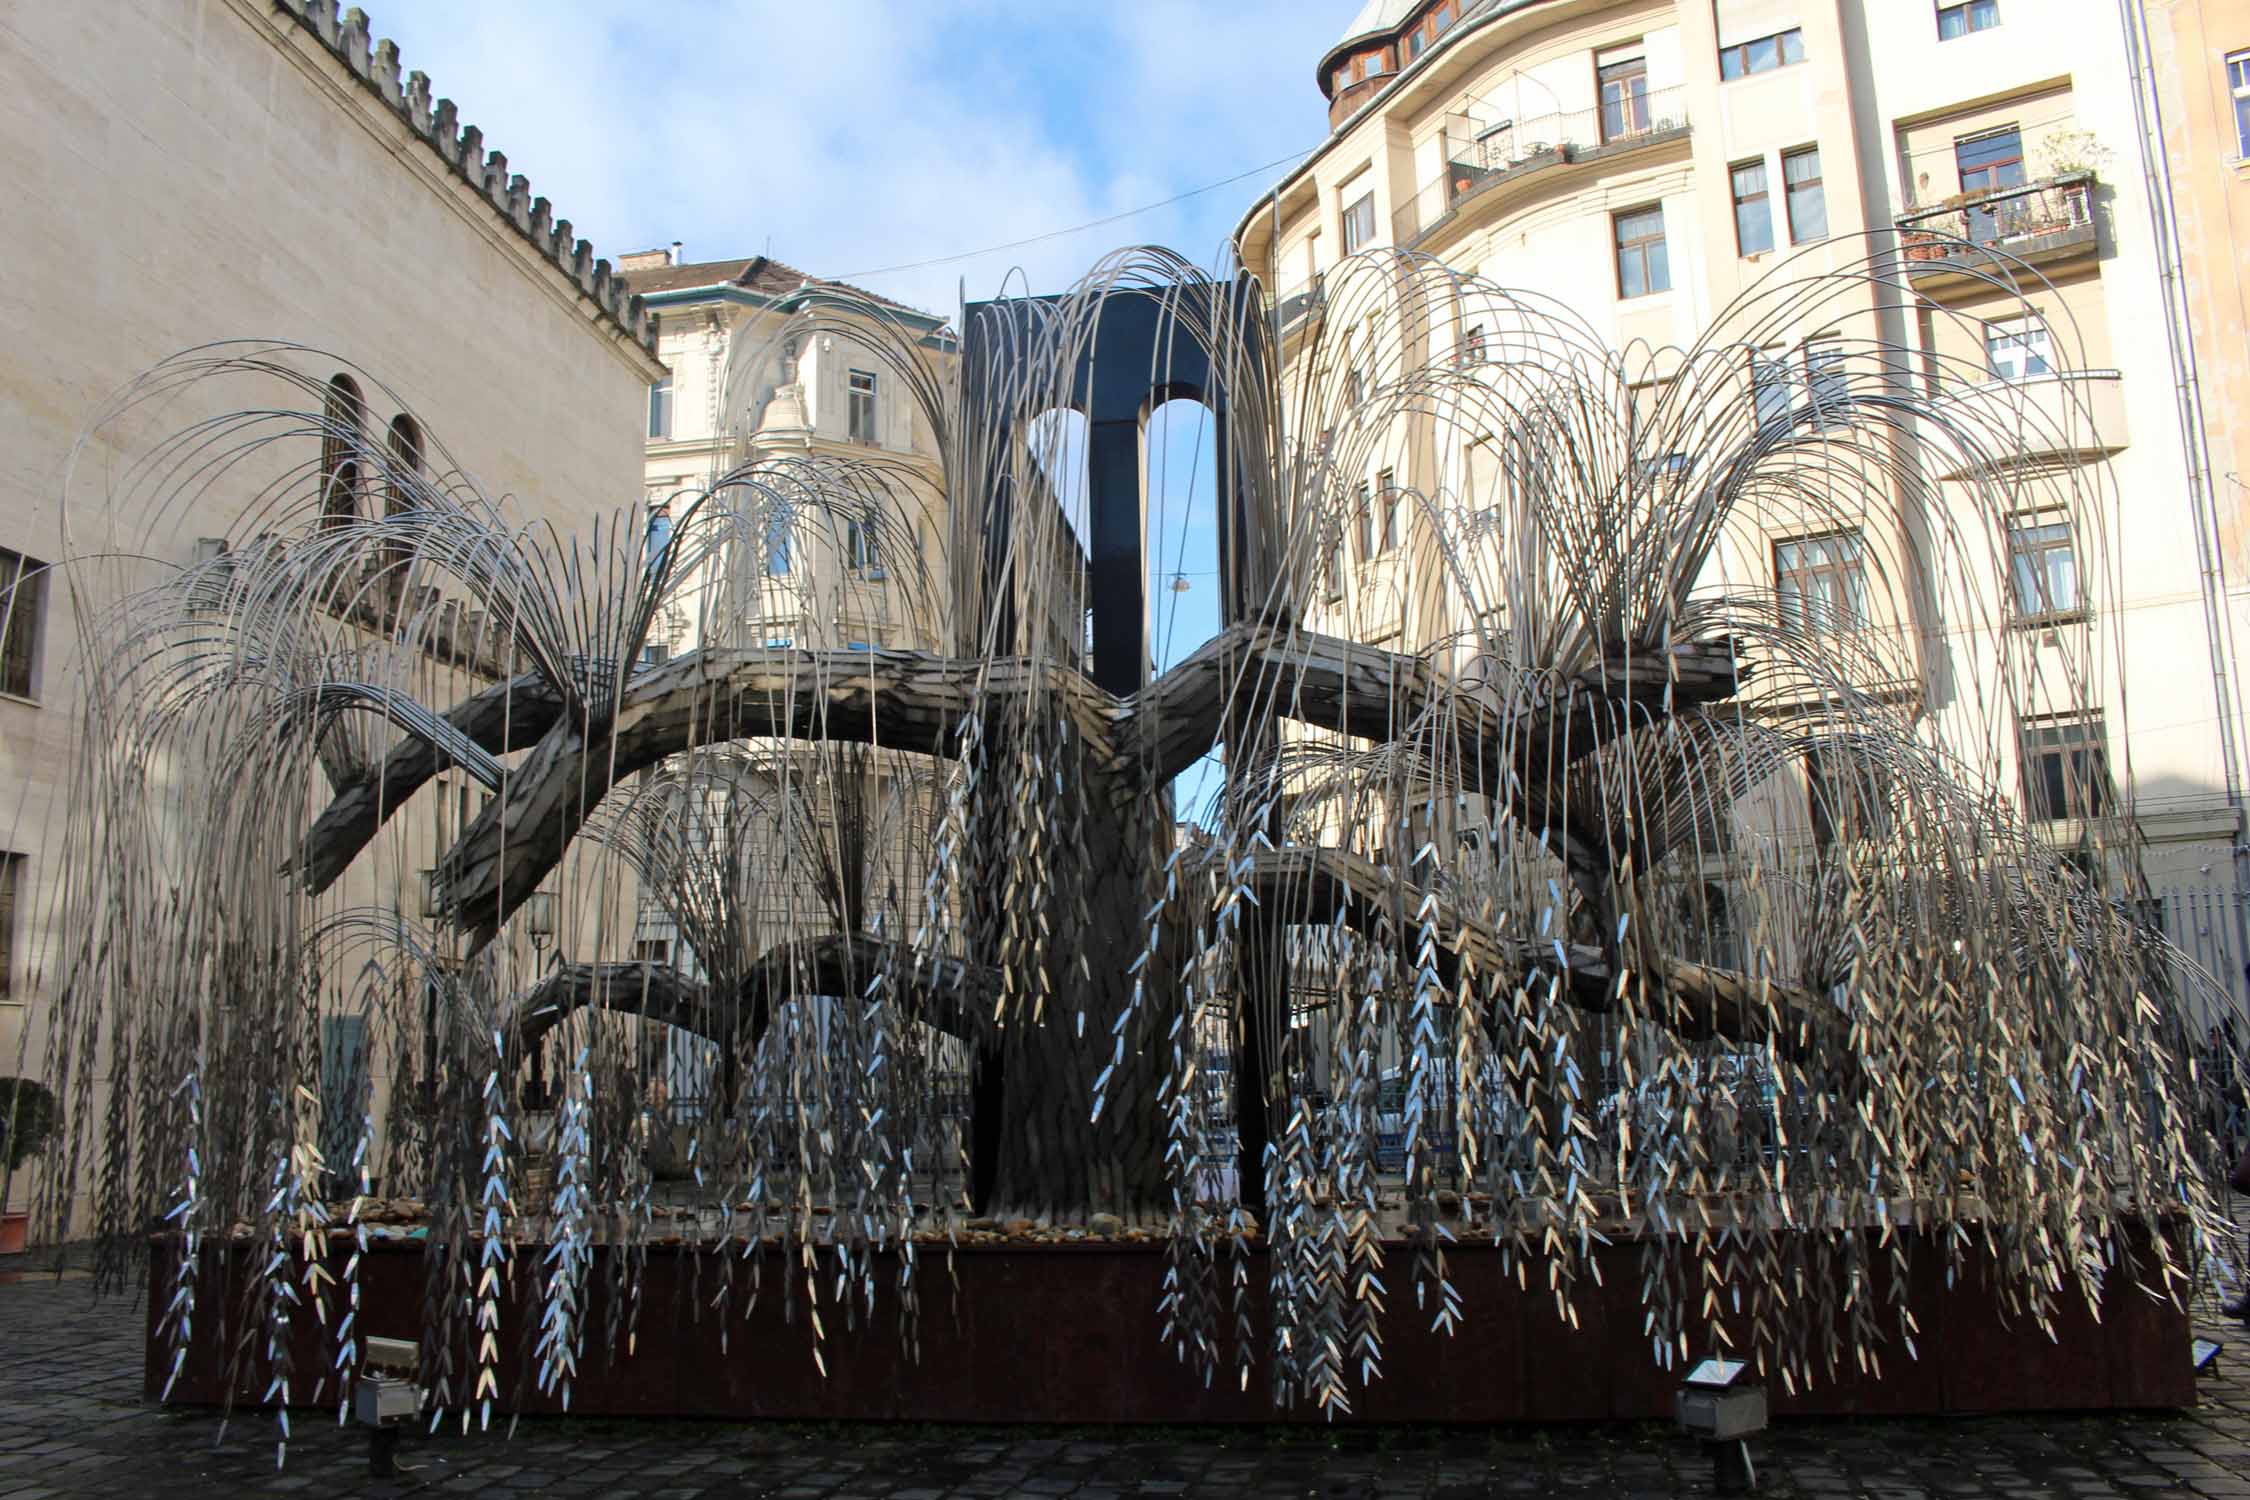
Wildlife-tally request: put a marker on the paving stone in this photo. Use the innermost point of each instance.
(72, 1424)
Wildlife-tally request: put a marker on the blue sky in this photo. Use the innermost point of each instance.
(852, 135)
(846, 137)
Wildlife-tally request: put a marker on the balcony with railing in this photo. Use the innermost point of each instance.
(2038, 223)
(2047, 417)
(1484, 158)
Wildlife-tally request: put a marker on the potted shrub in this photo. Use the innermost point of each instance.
(27, 1118)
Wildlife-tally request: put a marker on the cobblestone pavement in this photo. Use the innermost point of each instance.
(72, 1422)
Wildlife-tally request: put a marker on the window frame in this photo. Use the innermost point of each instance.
(1850, 576)
(1975, 15)
(1762, 197)
(1638, 248)
(1633, 102)
(1387, 495)
(1844, 796)
(1799, 234)
(23, 624)
(1983, 223)
(660, 409)
(779, 562)
(343, 438)
(2024, 548)
(1740, 54)
(863, 549)
(13, 863)
(1770, 376)
(1345, 215)
(2030, 336)
(863, 417)
(2082, 792)
(2238, 93)
(1827, 375)
(403, 446)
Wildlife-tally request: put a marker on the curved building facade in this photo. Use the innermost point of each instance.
(1975, 179)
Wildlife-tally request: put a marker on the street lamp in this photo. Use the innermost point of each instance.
(539, 926)
(539, 918)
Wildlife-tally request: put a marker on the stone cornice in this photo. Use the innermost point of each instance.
(460, 149)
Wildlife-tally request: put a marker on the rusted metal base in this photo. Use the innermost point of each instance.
(1068, 1334)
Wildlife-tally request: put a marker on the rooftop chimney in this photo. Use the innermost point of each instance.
(675, 252)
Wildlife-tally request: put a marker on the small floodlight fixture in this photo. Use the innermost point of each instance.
(1720, 1404)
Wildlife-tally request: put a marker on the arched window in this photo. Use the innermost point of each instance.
(341, 440)
(399, 480)
(406, 465)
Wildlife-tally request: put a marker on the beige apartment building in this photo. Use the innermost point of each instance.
(208, 170)
(763, 372)
(743, 386)
(1645, 163)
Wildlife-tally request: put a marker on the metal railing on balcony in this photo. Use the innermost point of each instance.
(2055, 212)
(1627, 120)
(1481, 154)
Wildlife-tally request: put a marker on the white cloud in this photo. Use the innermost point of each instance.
(857, 134)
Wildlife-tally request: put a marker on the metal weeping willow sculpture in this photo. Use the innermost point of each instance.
(1502, 931)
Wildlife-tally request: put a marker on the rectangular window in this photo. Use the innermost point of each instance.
(11, 884)
(2042, 567)
(1990, 163)
(1753, 219)
(23, 611)
(1845, 795)
(860, 544)
(1643, 267)
(777, 543)
(1763, 55)
(862, 413)
(1359, 222)
(1472, 346)
(2018, 349)
(652, 951)
(1827, 385)
(1416, 42)
(1442, 20)
(1624, 94)
(1808, 206)
(1386, 486)
(1769, 390)
(1822, 582)
(1333, 568)
(2238, 84)
(660, 409)
(1363, 506)
(2066, 767)
(1960, 17)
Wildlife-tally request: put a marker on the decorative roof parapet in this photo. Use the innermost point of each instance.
(375, 64)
